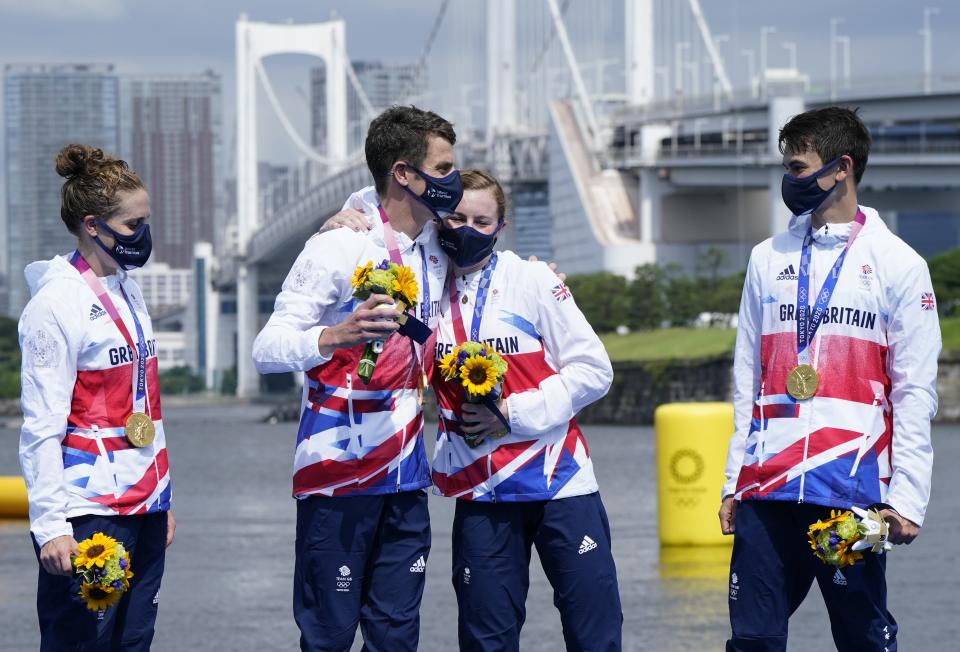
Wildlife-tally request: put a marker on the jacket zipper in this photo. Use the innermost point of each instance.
(403, 431)
(806, 437)
(355, 442)
(760, 435)
(866, 436)
(104, 454)
(493, 491)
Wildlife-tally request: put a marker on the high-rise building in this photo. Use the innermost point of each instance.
(47, 107)
(171, 135)
(384, 85)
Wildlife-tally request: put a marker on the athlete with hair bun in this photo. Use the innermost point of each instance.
(92, 446)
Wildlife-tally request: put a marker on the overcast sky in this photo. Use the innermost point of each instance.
(195, 35)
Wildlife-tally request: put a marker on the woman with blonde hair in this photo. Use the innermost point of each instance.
(92, 446)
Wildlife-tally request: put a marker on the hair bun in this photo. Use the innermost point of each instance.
(75, 160)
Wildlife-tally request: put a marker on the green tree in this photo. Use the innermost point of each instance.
(723, 296)
(180, 380)
(647, 305)
(603, 299)
(9, 359)
(685, 296)
(228, 384)
(945, 273)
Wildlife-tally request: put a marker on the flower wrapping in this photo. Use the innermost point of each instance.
(103, 566)
(480, 370)
(841, 539)
(397, 282)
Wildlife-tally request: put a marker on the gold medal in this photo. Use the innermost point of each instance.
(139, 430)
(802, 382)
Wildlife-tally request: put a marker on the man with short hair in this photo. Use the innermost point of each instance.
(360, 469)
(835, 385)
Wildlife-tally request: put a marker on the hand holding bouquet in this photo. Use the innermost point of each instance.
(103, 566)
(480, 370)
(395, 281)
(840, 540)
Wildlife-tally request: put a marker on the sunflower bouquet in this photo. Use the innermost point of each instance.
(841, 539)
(396, 281)
(480, 370)
(103, 565)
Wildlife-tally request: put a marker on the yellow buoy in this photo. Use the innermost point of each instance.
(695, 562)
(691, 441)
(13, 497)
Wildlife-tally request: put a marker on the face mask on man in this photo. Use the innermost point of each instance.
(803, 195)
(129, 251)
(466, 246)
(442, 194)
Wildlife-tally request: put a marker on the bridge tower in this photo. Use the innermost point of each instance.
(256, 41)
(638, 39)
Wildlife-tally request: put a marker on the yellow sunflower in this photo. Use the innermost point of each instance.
(846, 557)
(98, 598)
(405, 285)
(360, 275)
(448, 366)
(478, 375)
(127, 573)
(95, 551)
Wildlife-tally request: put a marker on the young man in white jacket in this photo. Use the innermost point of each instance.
(360, 468)
(835, 386)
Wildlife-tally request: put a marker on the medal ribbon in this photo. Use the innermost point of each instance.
(809, 319)
(390, 239)
(458, 325)
(393, 249)
(459, 330)
(139, 379)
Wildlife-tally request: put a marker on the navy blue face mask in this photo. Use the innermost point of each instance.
(442, 194)
(466, 246)
(802, 195)
(130, 251)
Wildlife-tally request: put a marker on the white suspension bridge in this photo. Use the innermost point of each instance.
(617, 126)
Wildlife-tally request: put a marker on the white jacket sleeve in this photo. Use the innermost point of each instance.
(913, 340)
(48, 375)
(583, 368)
(746, 373)
(315, 283)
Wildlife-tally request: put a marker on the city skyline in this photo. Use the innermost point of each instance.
(167, 127)
(45, 106)
(171, 134)
(608, 166)
(884, 39)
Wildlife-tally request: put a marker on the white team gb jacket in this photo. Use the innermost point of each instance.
(76, 394)
(353, 439)
(864, 437)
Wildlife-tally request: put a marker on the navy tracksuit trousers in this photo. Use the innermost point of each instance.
(67, 624)
(491, 571)
(361, 560)
(773, 568)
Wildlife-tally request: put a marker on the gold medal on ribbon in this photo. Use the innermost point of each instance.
(802, 382)
(139, 430)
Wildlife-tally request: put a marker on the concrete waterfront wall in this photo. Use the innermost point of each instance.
(948, 387)
(639, 387)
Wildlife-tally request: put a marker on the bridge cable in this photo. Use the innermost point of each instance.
(421, 64)
(547, 41)
(708, 42)
(352, 76)
(304, 148)
(581, 89)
